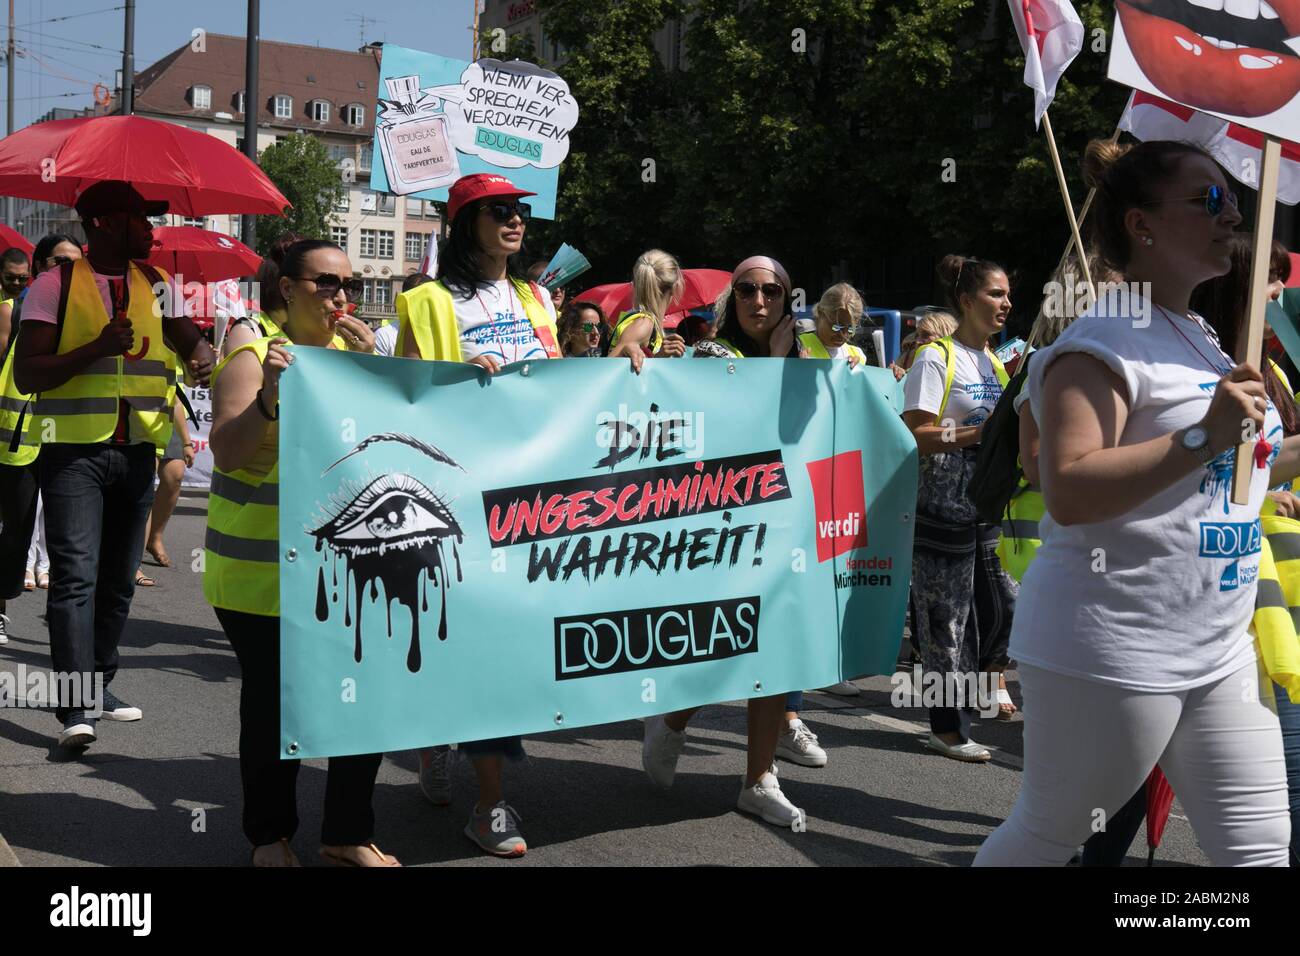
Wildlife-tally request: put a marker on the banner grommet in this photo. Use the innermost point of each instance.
(731, 368)
(292, 748)
(559, 718)
(291, 554)
(758, 685)
(527, 369)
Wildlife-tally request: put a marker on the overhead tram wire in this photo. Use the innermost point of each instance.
(70, 16)
(52, 36)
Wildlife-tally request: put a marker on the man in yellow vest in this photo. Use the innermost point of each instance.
(99, 354)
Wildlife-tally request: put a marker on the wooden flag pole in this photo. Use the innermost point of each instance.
(1250, 347)
(1069, 206)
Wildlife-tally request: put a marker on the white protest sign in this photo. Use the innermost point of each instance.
(1238, 60)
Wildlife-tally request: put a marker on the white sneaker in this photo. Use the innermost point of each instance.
(765, 799)
(4, 628)
(843, 689)
(660, 750)
(798, 744)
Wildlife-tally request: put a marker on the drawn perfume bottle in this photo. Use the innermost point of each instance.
(414, 140)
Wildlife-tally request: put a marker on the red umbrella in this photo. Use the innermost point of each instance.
(197, 255)
(196, 173)
(11, 239)
(1294, 281)
(701, 289)
(1160, 796)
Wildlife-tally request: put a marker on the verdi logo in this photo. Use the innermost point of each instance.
(839, 504)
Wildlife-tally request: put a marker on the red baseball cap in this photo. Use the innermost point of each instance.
(479, 186)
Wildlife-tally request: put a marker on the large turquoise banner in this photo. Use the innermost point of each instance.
(568, 544)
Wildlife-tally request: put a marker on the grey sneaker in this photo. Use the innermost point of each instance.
(78, 730)
(843, 689)
(435, 774)
(117, 709)
(660, 750)
(497, 831)
(799, 745)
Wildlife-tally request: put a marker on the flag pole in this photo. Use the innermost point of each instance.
(1069, 206)
(1250, 346)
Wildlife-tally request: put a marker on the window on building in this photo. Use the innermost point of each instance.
(239, 102)
(320, 111)
(385, 205)
(414, 208)
(386, 243)
(414, 246)
(283, 106)
(369, 240)
(355, 115)
(201, 97)
(340, 151)
(201, 222)
(339, 236)
(345, 201)
(367, 154)
(376, 292)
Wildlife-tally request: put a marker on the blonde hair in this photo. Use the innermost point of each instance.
(939, 324)
(655, 275)
(839, 296)
(1051, 322)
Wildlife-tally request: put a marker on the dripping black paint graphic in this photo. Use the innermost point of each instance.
(391, 537)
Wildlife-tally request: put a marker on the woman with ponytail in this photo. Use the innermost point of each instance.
(962, 598)
(656, 282)
(1133, 627)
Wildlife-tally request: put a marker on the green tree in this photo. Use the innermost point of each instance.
(301, 168)
(820, 131)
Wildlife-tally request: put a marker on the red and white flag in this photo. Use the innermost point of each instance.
(429, 264)
(1051, 34)
(1237, 149)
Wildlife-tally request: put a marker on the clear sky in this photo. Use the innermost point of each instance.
(60, 60)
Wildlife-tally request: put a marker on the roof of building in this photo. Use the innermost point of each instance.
(304, 73)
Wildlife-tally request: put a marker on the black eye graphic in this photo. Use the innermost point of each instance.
(390, 533)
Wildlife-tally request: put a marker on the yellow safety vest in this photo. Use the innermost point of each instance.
(816, 349)
(944, 345)
(1020, 535)
(730, 349)
(84, 409)
(627, 318)
(241, 569)
(15, 415)
(1277, 602)
(427, 313)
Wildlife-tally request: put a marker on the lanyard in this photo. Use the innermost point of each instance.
(509, 292)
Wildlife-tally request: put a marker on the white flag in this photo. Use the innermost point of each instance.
(1051, 34)
(429, 264)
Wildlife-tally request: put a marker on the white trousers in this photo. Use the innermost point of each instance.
(38, 559)
(1089, 746)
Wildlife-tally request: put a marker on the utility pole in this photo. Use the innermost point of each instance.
(473, 53)
(128, 60)
(9, 114)
(252, 105)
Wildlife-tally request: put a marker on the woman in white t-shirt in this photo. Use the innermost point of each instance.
(962, 599)
(1132, 632)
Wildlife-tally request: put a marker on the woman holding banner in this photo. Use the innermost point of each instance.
(242, 577)
(1137, 607)
(962, 599)
(656, 282)
(754, 321)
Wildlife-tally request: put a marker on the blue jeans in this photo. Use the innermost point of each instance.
(511, 748)
(97, 498)
(1288, 715)
(794, 701)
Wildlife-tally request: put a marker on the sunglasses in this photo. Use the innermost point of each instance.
(589, 327)
(841, 329)
(60, 260)
(503, 212)
(771, 290)
(15, 279)
(328, 285)
(1214, 198)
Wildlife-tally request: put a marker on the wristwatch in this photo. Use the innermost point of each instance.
(1197, 440)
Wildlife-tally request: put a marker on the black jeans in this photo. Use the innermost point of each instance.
(97, 499)
(18, 487)
(1110, 846)
(270, 784)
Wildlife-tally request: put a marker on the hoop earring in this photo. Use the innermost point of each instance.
(1148, 240)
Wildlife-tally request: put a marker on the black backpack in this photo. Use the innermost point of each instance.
(997, 472)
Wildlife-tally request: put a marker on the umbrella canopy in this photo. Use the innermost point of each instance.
(195, 173)
(1294, 281)
(1160, 796)
(701, 288)
(11, 239)
(197, 255)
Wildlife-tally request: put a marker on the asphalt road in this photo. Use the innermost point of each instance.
(132, 798)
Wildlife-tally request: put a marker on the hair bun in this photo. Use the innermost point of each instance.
(1099, 158)
(949, 269)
